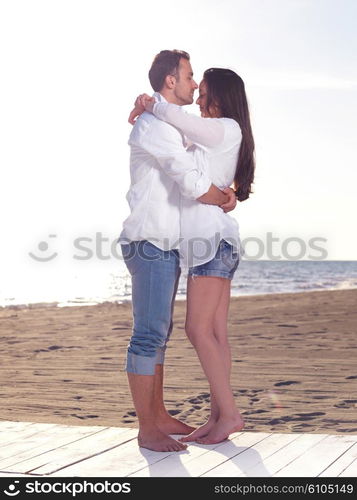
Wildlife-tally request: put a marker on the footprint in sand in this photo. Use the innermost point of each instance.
(313, 414)
(346, 403)
(252, 412)
(51, 348)
(287, 382)
(204, 397)
(292, 418)
(84, 417)
(174, 412)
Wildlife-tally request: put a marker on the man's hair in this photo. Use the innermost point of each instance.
(165, 63)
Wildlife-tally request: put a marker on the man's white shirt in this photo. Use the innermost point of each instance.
(161, 172)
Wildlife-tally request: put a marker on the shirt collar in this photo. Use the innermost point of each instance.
(159, 97)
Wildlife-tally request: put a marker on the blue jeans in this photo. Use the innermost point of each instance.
(155, 275)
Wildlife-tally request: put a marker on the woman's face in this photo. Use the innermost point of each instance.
(213, 111)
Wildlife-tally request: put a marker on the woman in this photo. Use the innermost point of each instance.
(223, 145)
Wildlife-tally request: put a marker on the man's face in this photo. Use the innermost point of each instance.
(185, 84)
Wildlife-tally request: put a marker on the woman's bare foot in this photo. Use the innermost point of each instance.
(201, 431)
(222, 429)
(156, 440)
(170, 425)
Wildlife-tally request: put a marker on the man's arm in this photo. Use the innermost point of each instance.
(164, 142)
(214, 196)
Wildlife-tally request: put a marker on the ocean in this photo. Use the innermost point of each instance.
(93, 285)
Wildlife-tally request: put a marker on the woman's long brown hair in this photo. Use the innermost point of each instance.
(226, 90)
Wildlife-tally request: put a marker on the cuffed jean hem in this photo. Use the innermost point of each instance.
(144, 365)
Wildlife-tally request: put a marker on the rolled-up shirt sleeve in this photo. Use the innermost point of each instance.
(165, 143)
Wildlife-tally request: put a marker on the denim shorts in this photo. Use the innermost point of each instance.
(223, 265)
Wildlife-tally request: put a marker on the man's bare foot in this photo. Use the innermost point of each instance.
(158, 441)
(200, 432)
(222, 429)
(170, 425)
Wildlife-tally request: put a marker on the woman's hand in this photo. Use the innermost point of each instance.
(232, 200)
(142, 103)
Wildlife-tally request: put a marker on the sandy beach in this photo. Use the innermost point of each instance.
(294, 364)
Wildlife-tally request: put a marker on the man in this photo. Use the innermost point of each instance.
(161, 172)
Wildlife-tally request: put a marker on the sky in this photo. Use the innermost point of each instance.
(73, 69)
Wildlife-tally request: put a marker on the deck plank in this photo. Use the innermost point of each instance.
(175, 464)
(121, 461)
(285, 455)
(10, 474)
(316, 459)
(85, 450)
(253, 457)
(36, 444)
(54, 450)
(8, 425)
(350, 471)
(15, 434)
(130, 460)
(219, 453)
(343, 462)
(67, 451)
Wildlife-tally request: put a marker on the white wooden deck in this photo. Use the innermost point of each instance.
(33, 449)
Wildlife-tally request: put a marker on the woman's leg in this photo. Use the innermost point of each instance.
(220, 327)
(207, 310)
(220, 332)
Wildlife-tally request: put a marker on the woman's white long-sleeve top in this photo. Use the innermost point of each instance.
(214, 144)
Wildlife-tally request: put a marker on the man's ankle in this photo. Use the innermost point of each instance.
(146, 425)
(161, 413)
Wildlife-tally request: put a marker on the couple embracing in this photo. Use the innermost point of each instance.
(182, 167)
